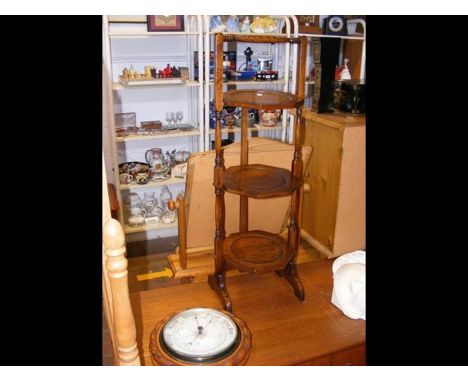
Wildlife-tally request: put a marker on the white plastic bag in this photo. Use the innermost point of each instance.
(349, 284)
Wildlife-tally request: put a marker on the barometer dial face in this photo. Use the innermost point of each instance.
(200, 335)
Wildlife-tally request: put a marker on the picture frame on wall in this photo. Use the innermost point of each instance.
(127, 19)
(165, 23)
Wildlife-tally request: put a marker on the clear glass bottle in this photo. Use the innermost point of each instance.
(135, 211)
(165, 197)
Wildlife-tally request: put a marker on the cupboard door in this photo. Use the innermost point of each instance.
(323, 176)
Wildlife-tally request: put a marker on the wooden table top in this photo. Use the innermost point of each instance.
(285, 331)
(338, 119)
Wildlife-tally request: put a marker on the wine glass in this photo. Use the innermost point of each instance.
(180, 117)
(169, 119)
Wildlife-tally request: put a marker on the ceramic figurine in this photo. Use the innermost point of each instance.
(345, 74)
(175, 72)
(168, 71)
(232, 24)
(216, 24)
(125, 74)
(170, 159)
(131, 73)
(148, 72)
(246, 25)
(263, 24)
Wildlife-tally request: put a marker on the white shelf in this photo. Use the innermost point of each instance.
(254, 34)
(158, 136)
(149, 227)
(310, 82)
(356, 37)
(252, 82)
(153, 184)
(258, 127)
(150, 34)
(150, 83)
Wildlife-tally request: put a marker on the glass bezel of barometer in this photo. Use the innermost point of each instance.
(200, 335)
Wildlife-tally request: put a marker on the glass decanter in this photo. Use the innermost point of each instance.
(135, 210)
(150, 204)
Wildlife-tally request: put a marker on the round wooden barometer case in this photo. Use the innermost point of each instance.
(201, 336)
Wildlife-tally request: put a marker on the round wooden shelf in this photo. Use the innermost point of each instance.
(260, 181)
(256, 251)
(261, 99)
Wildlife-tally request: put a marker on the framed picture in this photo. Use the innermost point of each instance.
(162, 23)
(127, 19)
(309, 24)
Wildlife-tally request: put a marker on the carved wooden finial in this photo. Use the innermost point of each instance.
(113, 235)
(116, 267)
(171, 204)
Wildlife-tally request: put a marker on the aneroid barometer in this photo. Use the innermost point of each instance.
(201, 336)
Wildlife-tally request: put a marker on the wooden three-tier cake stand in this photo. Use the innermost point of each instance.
(257, 251)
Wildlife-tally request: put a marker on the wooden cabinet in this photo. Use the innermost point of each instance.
(334, 206)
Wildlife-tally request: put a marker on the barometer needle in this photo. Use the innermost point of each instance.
(191, 342)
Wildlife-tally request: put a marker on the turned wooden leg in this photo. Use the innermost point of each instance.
(291, 275)
(217, 280)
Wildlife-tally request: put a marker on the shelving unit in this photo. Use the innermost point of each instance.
(247, 250)
(286, 81)
(131, 44)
